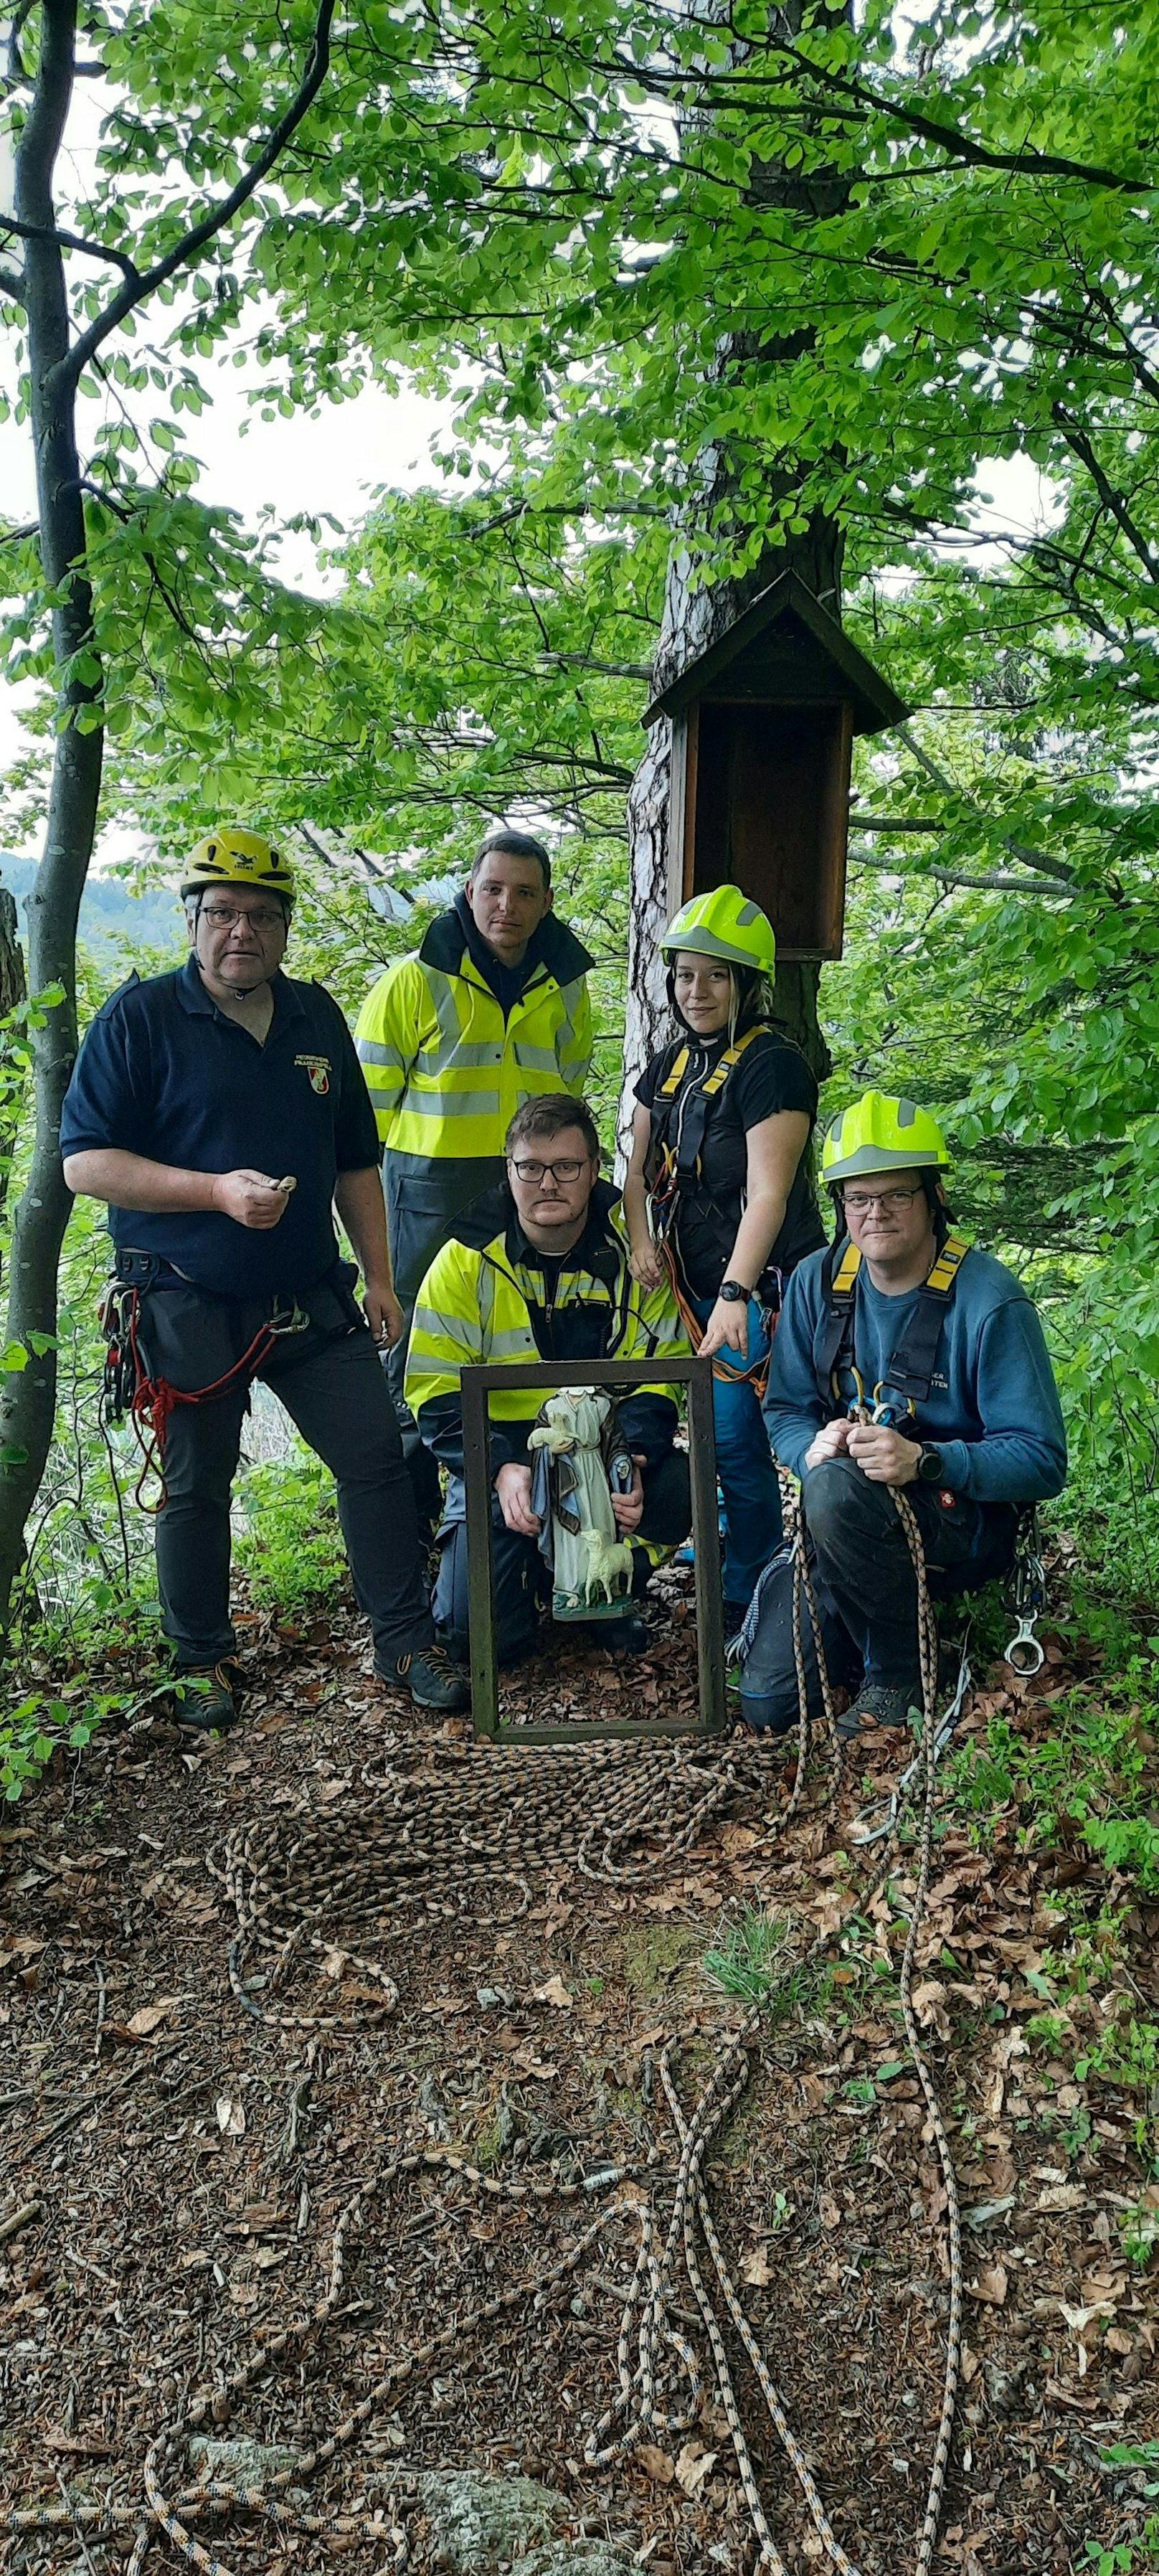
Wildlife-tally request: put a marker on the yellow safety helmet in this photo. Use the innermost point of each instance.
(883, 1134)
(230, 856)
(724, 924)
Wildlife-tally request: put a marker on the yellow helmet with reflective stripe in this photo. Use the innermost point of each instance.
(231, 856)
(883, 1134)
(725, 924)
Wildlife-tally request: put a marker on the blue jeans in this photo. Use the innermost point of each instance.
(744, 1461)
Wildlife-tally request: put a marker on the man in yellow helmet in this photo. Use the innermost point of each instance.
(492, 1011)
(220, 1111)
(906, 1360)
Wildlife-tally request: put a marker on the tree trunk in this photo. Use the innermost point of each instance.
(693, 618)
(28, 1395)
(694, 615)
(11, 997)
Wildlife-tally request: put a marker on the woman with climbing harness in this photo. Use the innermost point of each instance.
(719, 1191)
(907, 1361)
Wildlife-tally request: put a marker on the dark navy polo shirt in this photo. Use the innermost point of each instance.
(162, 1072)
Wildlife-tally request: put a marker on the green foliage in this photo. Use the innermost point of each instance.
(36, 1727)
(1140, 2233)
(290, 1548)
(751, 1961)
(1091, 1777)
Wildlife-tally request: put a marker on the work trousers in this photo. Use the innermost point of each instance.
(522, 1581)
(744, 1461)
(865, 1586)
(333, 1388)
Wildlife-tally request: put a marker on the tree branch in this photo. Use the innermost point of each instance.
(1112, 500)
(191, 242)
(962, 147)
(931, 873)
(12, 285)
(606, 670)
(70, 241)
(1030, 858)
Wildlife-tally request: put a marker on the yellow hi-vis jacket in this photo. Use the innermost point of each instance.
(476, 1304)
(445, 1071)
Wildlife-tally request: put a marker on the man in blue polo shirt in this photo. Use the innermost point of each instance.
(221, 1112)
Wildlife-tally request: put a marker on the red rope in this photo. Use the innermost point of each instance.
(154, 1399)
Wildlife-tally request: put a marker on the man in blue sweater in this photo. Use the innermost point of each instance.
(903, 1360)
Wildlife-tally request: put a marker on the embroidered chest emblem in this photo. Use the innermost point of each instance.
(318, 1068)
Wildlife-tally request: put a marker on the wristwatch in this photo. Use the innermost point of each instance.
(733, 1293)
(931, 1465)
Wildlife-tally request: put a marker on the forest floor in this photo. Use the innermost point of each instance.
(174, 2166)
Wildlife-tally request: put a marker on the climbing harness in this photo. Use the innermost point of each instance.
(129, 1387)
(908, 1378)
(1023, 1651)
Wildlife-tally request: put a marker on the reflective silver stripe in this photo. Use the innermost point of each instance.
(436, 1060)
(515, 1343)
(370, 1052)
(447, 1328)
(446, 1012)
(378, 1091)
(451, 1104)
(535, 1059)
(418, 1365)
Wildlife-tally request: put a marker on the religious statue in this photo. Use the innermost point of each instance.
(579, 1461)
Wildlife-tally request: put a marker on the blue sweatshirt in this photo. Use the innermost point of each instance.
(992, 1408)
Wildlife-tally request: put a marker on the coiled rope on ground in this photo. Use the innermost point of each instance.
(431, 1841)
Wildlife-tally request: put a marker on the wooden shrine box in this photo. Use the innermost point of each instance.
(762, 734)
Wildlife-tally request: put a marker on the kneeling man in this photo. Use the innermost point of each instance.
(939, 1346)
(538, 1269)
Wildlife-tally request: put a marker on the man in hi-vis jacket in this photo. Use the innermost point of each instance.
(492, 1011)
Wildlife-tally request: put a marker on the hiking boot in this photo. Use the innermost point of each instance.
(203, 1697)
(735, 1614)
(877, 1704)
(432, 1678)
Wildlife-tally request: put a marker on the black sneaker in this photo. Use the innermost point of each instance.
(432, 1679)
(877, 1705)
(203, 1697)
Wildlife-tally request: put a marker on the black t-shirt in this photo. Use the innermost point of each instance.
(771, 1076)
(162, 1072)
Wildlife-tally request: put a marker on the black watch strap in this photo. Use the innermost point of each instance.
(732, 1292)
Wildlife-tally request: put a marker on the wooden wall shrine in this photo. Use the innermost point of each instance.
(762, 737)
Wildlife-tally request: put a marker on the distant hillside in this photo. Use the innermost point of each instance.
(113, 922)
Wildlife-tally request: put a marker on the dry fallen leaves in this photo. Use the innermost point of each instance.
(230, 2115)
(149, 2017)
(554, 1992)
(694, 2465)
(755, 2269)
(991, 2285)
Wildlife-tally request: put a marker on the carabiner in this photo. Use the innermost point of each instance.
(1024, 1654)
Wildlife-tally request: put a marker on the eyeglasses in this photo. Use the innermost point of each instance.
(260, 916)
(856, 1202)
(568, 1171)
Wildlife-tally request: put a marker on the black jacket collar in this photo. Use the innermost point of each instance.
(553, 947)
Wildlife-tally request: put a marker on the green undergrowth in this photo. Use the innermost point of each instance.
(36, 1726)
(1090, 1780)
(752, 1961)
(1130, 2557)
(289, 1544)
